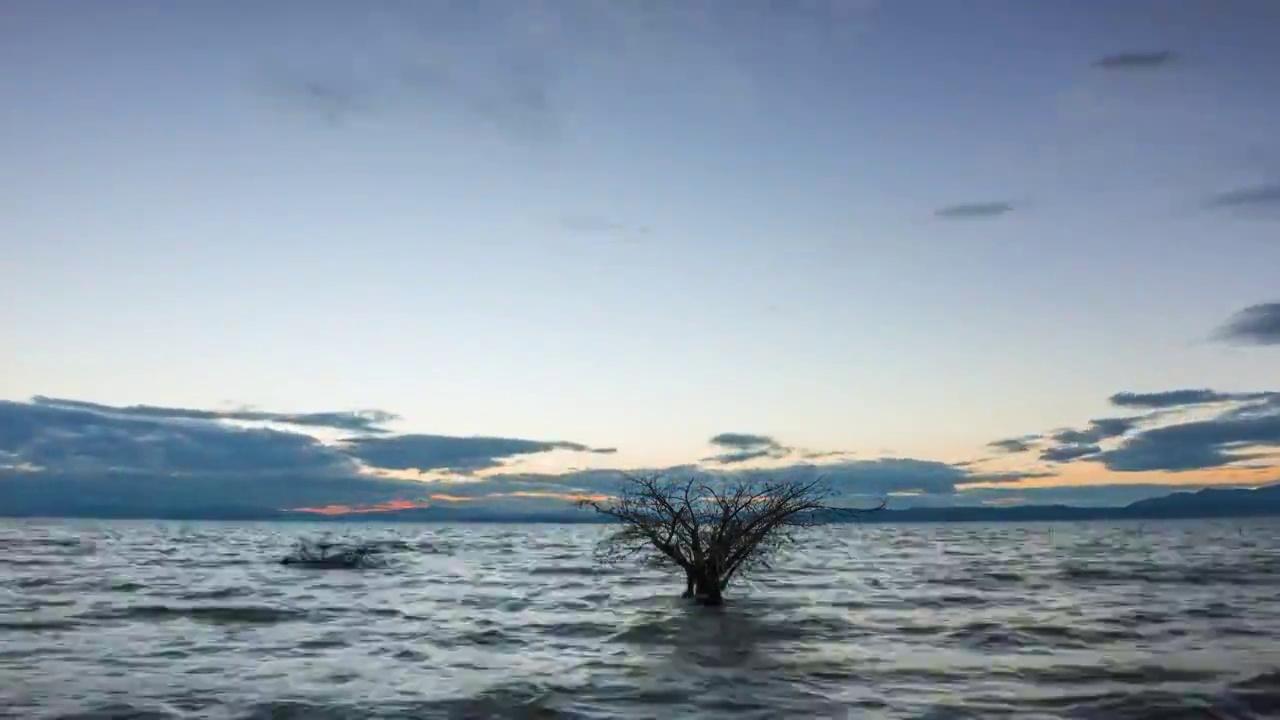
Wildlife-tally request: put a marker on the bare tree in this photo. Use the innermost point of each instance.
(713, 531)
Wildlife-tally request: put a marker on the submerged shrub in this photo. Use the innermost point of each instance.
(326, 553)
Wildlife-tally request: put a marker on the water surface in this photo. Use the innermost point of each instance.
(199, 620)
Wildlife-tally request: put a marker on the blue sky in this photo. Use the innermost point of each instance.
(899, 231)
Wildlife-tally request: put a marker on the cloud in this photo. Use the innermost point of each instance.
(85, 440)
(1072, 444)
(1261, 404)
(497, 68)
(741, 441)
(57, 455)
(1266, 195)
(1066, 453)
(368, 421)
(1136, 60)
(851, 478)
(1196, 445)
(1168, 437)
(974, 211)
(333, 99)
(889, 475)
(1240, 432)
(455, 454)
(514, 95)
(388, 506)
(601, 225)
(511, 67)
(1254, 325)
(1179, 398)
(64, 453)
(743, 447)
(1014, 445)
(1097, 430)
(1014, 476)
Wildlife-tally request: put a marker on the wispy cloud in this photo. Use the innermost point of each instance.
(1072, 444)
(588, 224)
(974, 211)
(1097, 430)
(1014, 445)
(388, 506)
(75, 452)
(1171, 437)
(334, 99)
(1180, 398)
(365, 421)
(512, 68)
(455, 454)
(1195, 445)
(744, 447)
(57, 455)
(1254, 325)
(1265, 198)
(420, 62)
(1136, 60)
(1068, 452)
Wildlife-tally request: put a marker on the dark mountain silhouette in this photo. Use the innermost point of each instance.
(1207, 503)
(1212, 502)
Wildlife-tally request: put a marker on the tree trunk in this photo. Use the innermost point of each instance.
(707, 588)
(689, 584)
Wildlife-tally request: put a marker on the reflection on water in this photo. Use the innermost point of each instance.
(199, 620)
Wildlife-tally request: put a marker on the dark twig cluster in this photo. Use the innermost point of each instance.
(714, 531)
(327, 554)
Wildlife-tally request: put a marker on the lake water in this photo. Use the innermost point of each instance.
(199, 620)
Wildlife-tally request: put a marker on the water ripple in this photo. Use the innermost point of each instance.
(109, 620)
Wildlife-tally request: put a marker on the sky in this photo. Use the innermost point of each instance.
(534, 242)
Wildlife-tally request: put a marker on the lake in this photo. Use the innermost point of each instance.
(158, 620)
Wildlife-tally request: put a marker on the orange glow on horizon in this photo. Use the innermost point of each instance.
(575, 497)
(394, 505)
(1083, 474)
(388, 506)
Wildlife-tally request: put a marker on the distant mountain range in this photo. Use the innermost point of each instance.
(1207, 503)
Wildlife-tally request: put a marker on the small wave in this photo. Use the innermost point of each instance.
(569, 570)
(28, 561)
(488, 638)
(1148, 704)
(1151, 574)
(36, 625)
(249, 614)
(1082, 637)
(518, 700)
(1110, 673)
(216, 594)
(941, 602)
(1212, 611)
(1139, 617)
(1269, 681)
(644, 633)
(988, 635)
(575, 630)
(34, 582)
(120, 712)
(1260, 694)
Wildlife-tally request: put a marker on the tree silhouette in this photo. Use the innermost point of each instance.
(713, 531)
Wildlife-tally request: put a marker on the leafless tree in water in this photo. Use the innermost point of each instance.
(712, 530)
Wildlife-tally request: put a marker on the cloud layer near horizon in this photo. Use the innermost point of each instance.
(1181, 430)
(60, 453)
